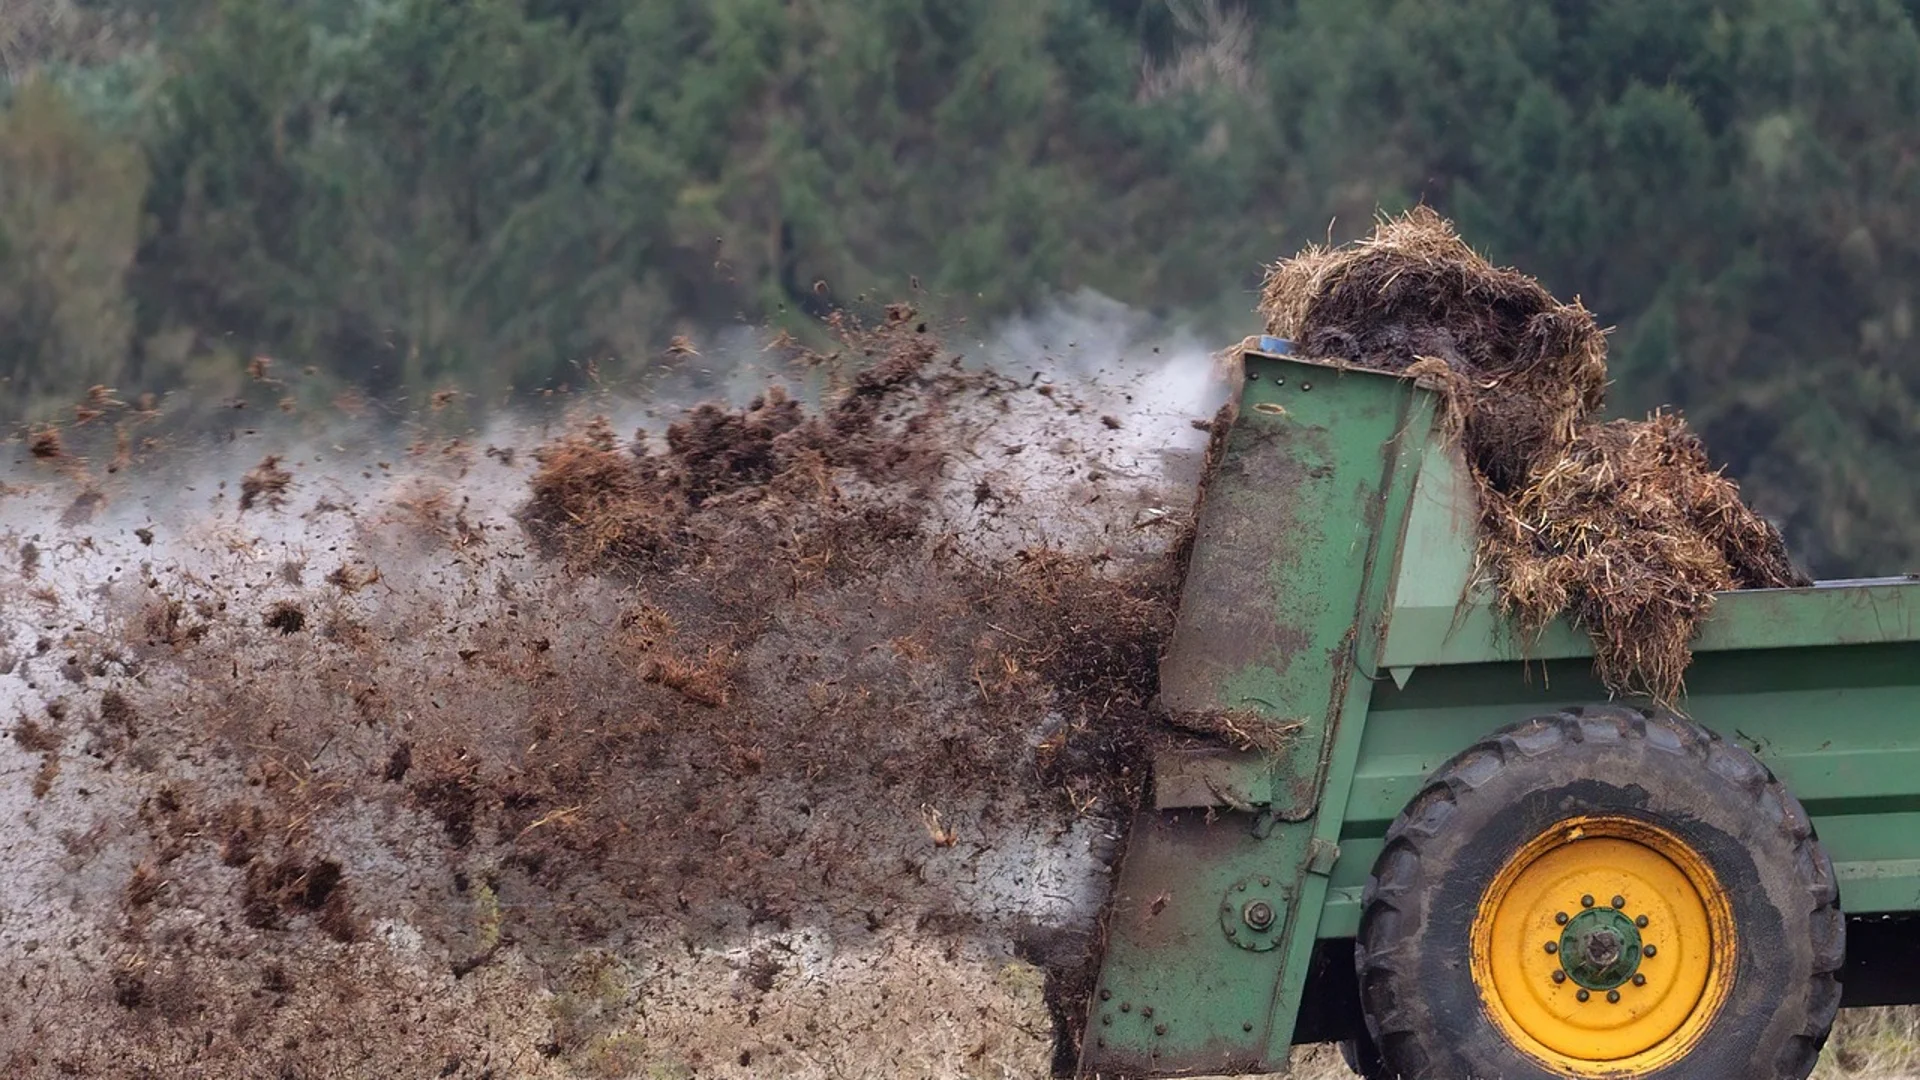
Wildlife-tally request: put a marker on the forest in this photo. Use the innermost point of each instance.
(404, 194)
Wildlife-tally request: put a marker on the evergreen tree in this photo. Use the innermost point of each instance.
(496, 192)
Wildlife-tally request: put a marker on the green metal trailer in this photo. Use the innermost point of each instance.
(1464, 859)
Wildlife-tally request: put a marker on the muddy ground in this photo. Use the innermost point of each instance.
(323, 756)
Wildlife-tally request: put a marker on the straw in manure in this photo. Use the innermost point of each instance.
(1533, 367)
(1623, 527)
(1630, 533)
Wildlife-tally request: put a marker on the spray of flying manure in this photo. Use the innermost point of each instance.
(629, 740)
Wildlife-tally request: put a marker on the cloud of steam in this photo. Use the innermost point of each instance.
(1113, 450)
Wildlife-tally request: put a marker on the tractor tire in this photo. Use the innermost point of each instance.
(1363, 1059)
(1601, 892)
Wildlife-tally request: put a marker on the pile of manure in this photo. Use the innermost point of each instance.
(1624, 526)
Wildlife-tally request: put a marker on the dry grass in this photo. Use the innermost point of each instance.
(44, 443)
(1624, 527)
(1873, 1044)
(706, 681)
(1867, 1044)
(596, 504)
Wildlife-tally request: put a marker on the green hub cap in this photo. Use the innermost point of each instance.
(1600, 948)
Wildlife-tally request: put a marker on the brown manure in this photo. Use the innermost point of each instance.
(1623, 527)
(600, 504)
(605, 504)
(266, 483)
(1530, 367)
(44, 443)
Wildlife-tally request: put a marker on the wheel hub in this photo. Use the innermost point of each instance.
(1600, 949)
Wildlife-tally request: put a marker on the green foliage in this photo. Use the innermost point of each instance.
(496, 192)
(1728, 184)
(69, 221)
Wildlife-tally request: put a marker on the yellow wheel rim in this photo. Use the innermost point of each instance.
(1605, 946)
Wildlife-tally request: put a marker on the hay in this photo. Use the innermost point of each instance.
(1630, 533)
(1623, 527)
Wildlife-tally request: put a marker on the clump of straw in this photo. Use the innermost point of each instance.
(1623, 527)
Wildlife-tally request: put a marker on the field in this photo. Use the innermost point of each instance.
(1867, 1044)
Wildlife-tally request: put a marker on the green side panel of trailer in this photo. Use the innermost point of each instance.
(1211, 926)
